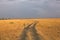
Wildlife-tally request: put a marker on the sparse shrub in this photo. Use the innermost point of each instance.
(11, 22)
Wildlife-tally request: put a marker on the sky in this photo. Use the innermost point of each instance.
(29, 8)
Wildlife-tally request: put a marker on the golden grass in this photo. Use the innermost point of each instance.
(11, 29)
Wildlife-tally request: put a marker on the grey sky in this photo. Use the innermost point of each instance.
(29, 8)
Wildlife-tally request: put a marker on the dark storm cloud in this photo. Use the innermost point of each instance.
(29, 8)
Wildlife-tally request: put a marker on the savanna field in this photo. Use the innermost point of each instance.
(30, 29)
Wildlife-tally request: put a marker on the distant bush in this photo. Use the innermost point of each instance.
(4, 18)
(11, 22)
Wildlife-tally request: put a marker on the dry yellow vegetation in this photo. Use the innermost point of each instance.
(16, 29)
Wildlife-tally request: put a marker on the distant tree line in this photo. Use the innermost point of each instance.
(4, 18)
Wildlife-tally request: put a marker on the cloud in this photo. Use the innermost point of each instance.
(29, 8)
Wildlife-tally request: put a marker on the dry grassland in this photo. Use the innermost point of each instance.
(27, 29)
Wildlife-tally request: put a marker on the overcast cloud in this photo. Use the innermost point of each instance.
(29, 8)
